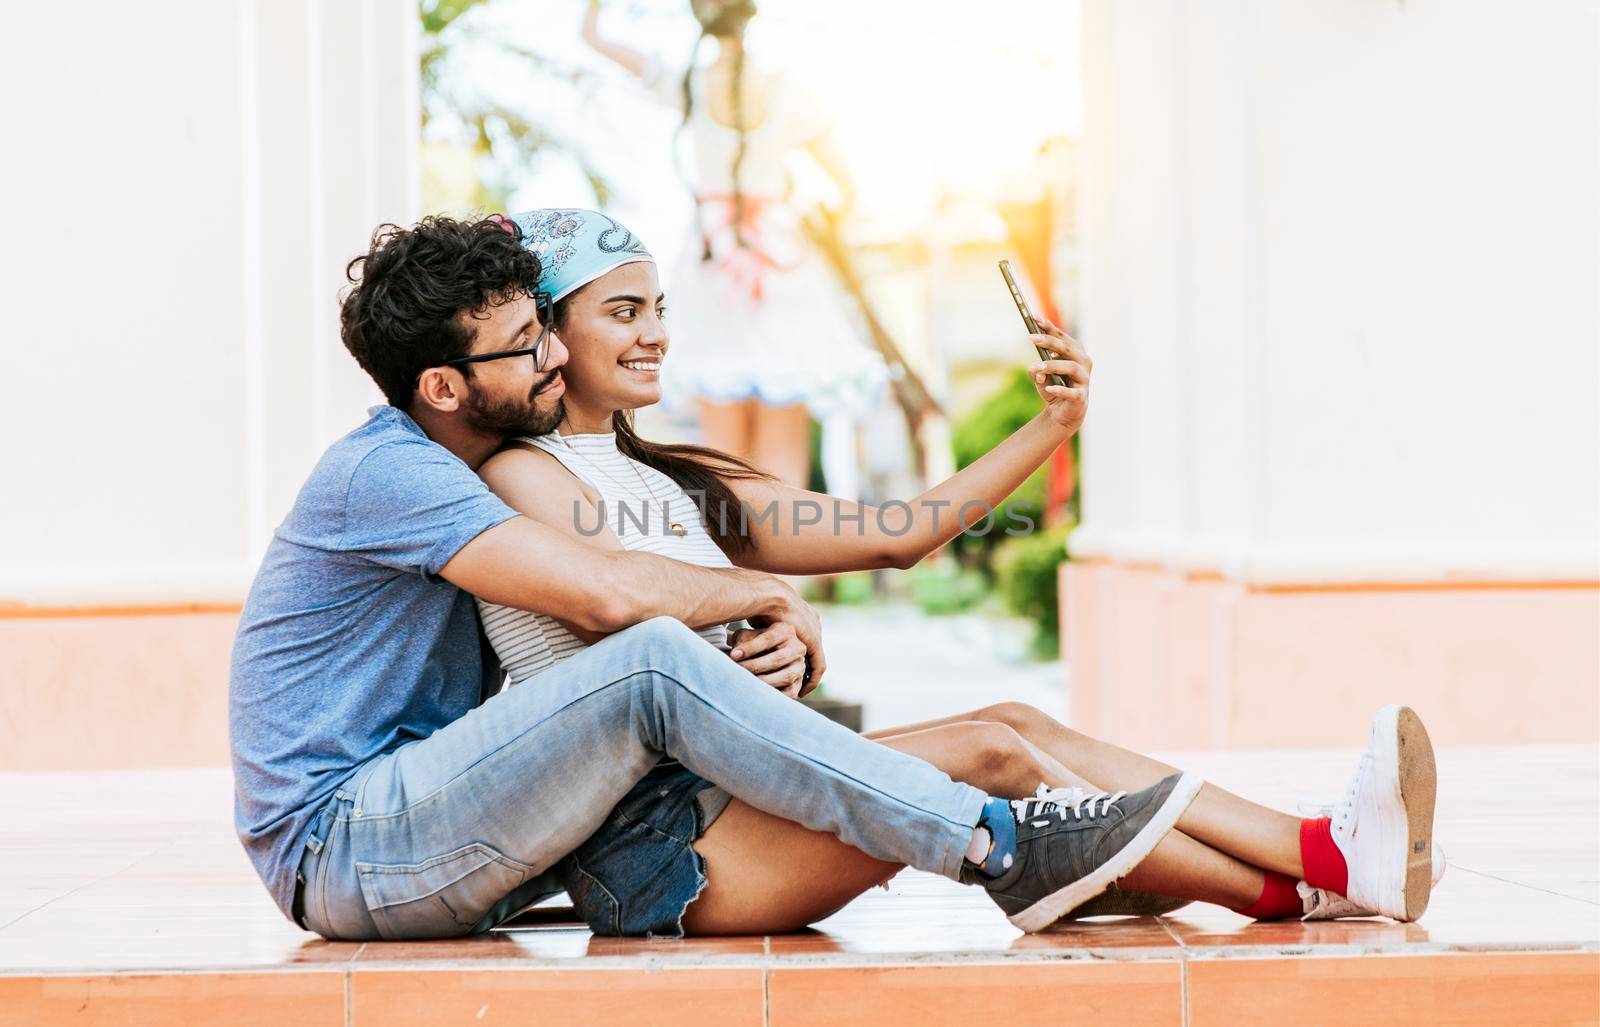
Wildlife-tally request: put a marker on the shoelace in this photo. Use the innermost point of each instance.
(1066, 794)
(1081, 802)
(1343, 812)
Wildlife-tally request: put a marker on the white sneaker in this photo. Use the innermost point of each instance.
(1322, 904)
(1384, 826)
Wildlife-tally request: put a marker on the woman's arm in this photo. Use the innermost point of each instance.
(631, 59)
(800, 532)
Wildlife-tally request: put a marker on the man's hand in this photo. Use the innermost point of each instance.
(774, 654)
(1065, 406)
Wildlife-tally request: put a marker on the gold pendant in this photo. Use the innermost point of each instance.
(679, 530)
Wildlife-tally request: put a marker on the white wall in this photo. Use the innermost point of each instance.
(185, 182)
(1342, 285)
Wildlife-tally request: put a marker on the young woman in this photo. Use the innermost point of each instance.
(772, 346)
(678, 855)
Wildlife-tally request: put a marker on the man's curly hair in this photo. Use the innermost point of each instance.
(399, 316)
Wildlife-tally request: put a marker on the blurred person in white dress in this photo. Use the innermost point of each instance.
(766, 343)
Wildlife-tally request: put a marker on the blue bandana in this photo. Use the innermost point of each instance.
(575, 247)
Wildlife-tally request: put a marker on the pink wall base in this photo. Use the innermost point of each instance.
(1162, 660)
(1158, 661)
(108, 692)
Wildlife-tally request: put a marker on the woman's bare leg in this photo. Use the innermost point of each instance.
(1255, 834)
(780, 442)
(727, 426)
(769, 875)
(1179, 866)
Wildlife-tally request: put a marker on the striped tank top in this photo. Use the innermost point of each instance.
(632, 500)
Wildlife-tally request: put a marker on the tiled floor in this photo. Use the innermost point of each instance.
(124, 898)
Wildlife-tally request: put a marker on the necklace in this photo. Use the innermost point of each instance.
(676, 528)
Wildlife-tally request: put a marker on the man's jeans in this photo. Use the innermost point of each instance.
(448, 835)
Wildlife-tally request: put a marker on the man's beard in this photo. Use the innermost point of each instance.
(510, 417)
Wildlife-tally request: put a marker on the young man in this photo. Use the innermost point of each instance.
(380, 796)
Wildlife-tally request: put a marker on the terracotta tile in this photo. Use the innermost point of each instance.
(960, 994)
(490, 948)
(1460, 989)
(137, 920)
(174, 891)
(898, 939)
(935, 928)
(918, 913)
(673, 948)
(1101, 936)
(94, 952)
(693, 996)
(1235, 930)
(140, 870)
(30, 895)
(241, 1000)
(1476, 912)
(511, 946)
(1117, 941)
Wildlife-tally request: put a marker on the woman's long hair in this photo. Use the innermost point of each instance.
(700, 471)
(723, 19)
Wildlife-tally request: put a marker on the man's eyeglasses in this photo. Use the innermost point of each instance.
(540, 348)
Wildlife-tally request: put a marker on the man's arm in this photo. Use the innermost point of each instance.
(534, 566)
(527, 565)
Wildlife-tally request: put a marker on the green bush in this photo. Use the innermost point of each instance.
(1026, 570)
(944, 586)
(853, 589)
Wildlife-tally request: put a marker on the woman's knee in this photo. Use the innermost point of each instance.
(997, 755)
(1022, 718)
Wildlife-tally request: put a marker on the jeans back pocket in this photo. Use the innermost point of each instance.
(443, 897)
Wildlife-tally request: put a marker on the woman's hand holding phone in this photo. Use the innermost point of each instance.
(1064, 405)
(1061, 375)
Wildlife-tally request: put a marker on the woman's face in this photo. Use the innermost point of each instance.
(616, 339)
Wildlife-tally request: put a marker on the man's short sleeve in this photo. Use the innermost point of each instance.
(414, 505)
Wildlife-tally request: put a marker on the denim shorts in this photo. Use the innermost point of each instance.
(637, 874)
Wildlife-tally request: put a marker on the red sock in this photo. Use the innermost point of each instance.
(1323, 862)
(1279, 899)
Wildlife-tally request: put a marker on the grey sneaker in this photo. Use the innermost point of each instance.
(1067, 853)
(1113, 901)
(1116, 902)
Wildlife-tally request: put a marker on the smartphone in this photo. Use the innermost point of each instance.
(1028, 319)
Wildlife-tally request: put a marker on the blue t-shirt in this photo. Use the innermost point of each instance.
(350, 645)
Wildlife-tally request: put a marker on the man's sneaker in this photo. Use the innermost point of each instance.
(1068, 853)
(1113, 901)
(1384, 826)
